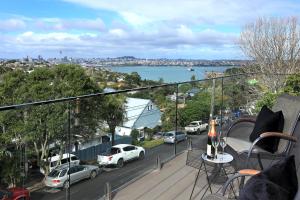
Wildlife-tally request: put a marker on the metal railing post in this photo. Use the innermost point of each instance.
(158, 163)
(69, 151)
(176, 119)
(212, 101)
(107, 191)
(222, 104)
(190, 145)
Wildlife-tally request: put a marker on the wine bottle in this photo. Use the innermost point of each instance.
(211, 133)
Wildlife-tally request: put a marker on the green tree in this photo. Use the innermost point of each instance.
(113, 112)
(197, 109)
(185, 87)
(9, 169)
(133, 79)
(168, 116)
(40, 126)
(11, 122)
(237, 92)
(292, 85)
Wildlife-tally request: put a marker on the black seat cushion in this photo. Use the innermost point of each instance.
(267, 121)
(278, 182)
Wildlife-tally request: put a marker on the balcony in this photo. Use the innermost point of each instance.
(82, 126)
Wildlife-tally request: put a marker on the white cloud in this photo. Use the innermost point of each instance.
(185, 32)
(135, 19)
(49, 24)
(174, 28)
(12, 24)
(71, 24)
(118, 33)
(117, 42)
(196, 11)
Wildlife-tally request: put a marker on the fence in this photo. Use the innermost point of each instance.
(91, 153)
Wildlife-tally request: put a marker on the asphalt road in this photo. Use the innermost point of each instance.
(94, 189)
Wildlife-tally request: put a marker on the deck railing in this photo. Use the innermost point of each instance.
(79, 125)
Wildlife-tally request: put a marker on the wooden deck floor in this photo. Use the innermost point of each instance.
(174, 181)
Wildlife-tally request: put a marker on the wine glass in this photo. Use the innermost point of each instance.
(215, 144)
(223, 143)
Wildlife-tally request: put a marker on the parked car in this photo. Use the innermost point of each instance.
(59, 177)
(121, 153)
(16, 193)
(54, 161)
(196, 127)
(158, 135)
(170, 137)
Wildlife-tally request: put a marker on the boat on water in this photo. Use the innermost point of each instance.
(191, 69)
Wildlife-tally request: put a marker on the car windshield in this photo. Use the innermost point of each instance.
(54, 173)
(169, 134)
(193, 123)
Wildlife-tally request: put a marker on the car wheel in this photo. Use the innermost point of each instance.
(93, 175)
(198, 131)
(141, 155)
(66, 185)
(120, 163)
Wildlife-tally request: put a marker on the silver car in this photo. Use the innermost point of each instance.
(169, 137)
(59, 177)
(158, 135)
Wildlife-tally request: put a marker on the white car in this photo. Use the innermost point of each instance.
(196, 127)
(56, 161)
(121, 153)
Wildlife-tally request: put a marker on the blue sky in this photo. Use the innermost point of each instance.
(196, 29)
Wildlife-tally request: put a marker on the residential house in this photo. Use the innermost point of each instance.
(140, 113)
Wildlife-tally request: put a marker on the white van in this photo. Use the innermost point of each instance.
(64, 160)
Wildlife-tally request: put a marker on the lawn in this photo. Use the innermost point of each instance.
(151, 143)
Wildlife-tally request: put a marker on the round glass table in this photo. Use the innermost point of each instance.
(218, 172)
(220, 159)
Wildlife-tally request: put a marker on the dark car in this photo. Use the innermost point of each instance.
(16, 193)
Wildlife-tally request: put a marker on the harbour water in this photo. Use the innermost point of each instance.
(169, 74)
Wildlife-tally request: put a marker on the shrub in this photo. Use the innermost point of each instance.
(268, 99)
(135, 134)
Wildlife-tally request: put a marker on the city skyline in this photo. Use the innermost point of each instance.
(148, 29)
